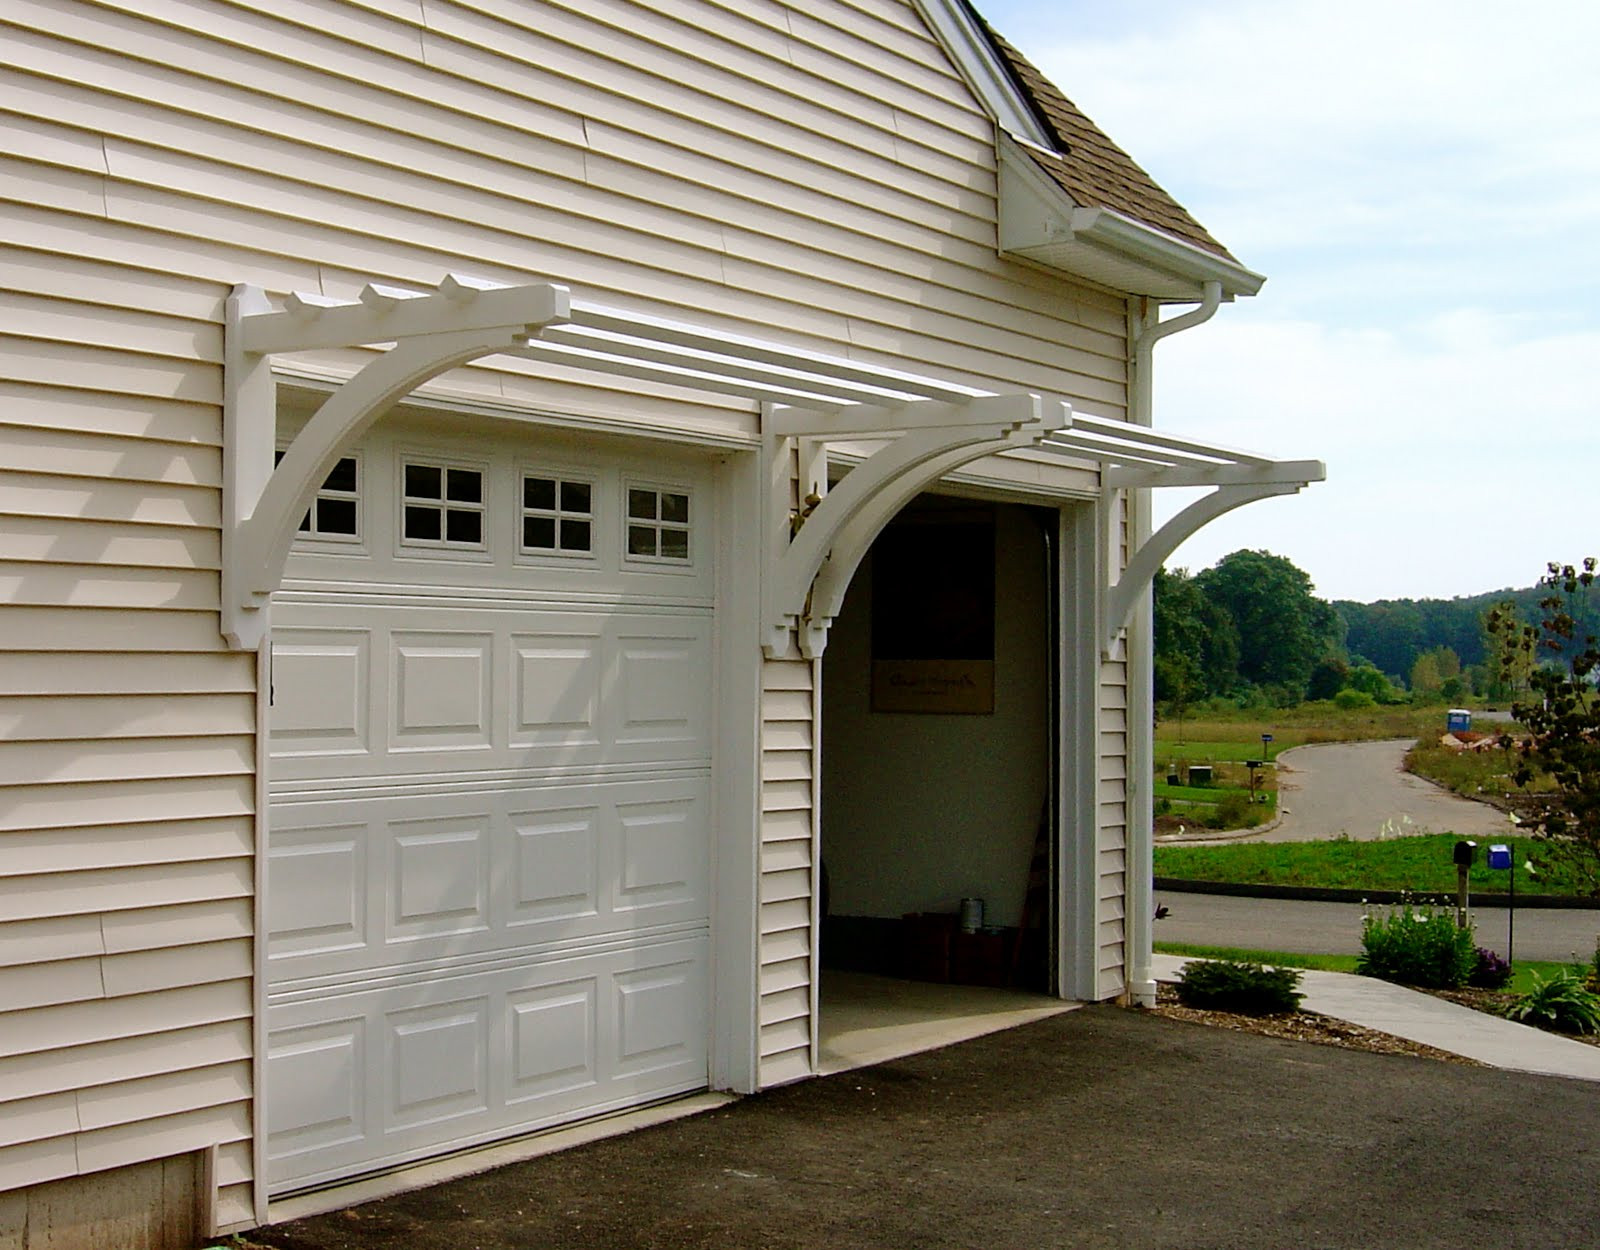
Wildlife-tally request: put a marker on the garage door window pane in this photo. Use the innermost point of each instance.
(424, 481)
(556, 516)
(423, 523)
(538, 533)
(464, 527)
(540, 493)
(575, 535)
(464, 486)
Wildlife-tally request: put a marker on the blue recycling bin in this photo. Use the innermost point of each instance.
(1458, 720)
(1500, 856)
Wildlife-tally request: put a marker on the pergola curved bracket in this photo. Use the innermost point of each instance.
(1141, 570)
(840, 529)
(855, 538)
(432, 333)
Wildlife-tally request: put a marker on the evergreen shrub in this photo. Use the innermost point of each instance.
(1248, 988)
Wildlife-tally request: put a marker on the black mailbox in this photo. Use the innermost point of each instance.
(1464, 853)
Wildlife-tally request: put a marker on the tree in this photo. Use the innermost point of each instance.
(1366, 678)
(1330, 676)
(1510, 645)
(1284, 629)
(1435, 671)
(1563, 722)
(1196, 643)
(1425, 679)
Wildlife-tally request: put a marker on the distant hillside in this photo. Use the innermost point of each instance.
(1393, 632)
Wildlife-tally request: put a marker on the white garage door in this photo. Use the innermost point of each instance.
(488, 873)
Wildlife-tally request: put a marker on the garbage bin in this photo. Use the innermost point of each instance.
(1199, 774)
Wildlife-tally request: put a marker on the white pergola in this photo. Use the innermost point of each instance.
(807, 399)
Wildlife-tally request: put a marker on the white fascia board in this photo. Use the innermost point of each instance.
(953, 25)
(1042, 223)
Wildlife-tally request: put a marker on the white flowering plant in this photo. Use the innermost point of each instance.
(1417, 944)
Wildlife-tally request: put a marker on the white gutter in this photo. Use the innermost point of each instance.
(1139, 933)
(1115, 232)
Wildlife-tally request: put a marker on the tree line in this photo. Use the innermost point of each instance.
(1251, 627)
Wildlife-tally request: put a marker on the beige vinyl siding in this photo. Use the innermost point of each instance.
(1111, 752)
(813, 174)
(1111, 836)
(769, 146)
(788, 825)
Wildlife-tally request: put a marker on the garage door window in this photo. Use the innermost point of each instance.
(557, 516)
(335, 512)
(658, 525)
(442, 505)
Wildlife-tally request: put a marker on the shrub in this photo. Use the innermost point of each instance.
(1232, 811)
(1251, 989)
(1491, 972)
(1350, 700)
(1417, 945)
(1561, 1003)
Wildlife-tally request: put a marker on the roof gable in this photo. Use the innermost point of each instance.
(1070, 198)
(1092, 169)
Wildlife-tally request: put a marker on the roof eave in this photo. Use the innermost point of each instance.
(1040, 222)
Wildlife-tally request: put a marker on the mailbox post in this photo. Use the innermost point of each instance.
(1463, 856)
(1501, 858)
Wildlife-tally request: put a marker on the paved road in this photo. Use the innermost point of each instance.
(1335, 928)
(1359, 789)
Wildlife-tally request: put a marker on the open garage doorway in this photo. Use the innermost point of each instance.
(937, 711)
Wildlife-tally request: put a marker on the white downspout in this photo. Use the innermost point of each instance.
(1146, 331)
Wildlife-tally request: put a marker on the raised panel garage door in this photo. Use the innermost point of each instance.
(488, 879)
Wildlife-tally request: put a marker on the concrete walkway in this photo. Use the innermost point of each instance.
(1419, 1017)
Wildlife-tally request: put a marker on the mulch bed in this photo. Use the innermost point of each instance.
(1308, 1026)
(1303, 1026)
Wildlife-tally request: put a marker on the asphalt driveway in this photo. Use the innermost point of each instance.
(1097, 1128)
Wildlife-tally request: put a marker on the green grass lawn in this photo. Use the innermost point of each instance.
(1521, 979)
(1421, 864)
(1200, 794)
(1211, 752)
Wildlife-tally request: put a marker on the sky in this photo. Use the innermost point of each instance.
(1420, 182)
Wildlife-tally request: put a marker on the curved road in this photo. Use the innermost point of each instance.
(1359, 788)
